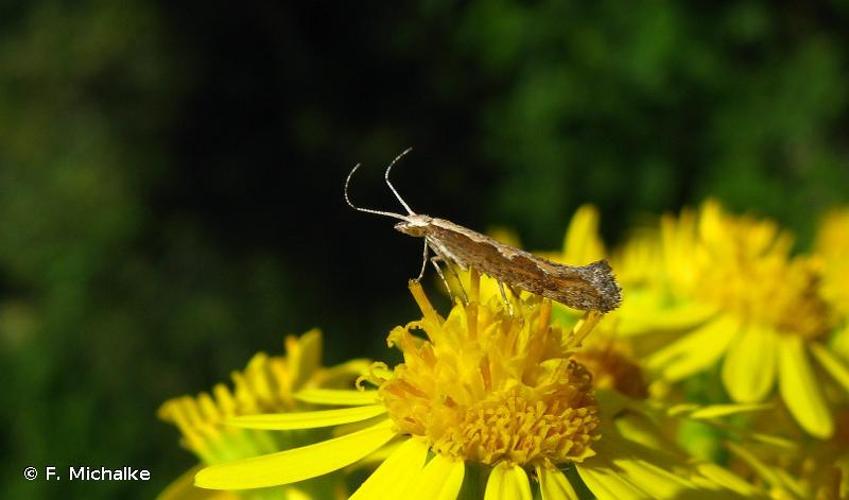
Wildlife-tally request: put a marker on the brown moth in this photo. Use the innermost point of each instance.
(589, 287)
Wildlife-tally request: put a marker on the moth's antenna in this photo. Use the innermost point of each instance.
(394, 191)
(368, 210)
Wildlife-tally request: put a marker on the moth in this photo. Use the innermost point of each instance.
(589, 287)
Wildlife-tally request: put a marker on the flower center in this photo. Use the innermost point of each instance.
(777, 292)
(488, 386)
(612, 367)
(744, 265)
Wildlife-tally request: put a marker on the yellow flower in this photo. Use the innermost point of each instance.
(797, 467)
(489, 402)
(731, 286)
(483, 378)
(267, 385)
(608, 357)
(612, 365)
(582, 243)
(610, 360)
(832, 245)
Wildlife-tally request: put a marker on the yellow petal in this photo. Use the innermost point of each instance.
(639, 472)
(840, 342)
(554, 485)
(340, 397)
(832, 364)
(695, 351)
(582, 244)
(792, 484)
(307, 419)
(374, 459)
(748, 372)
(396, 473)
(780, 442)
(606, 483)
(337, 375)
(843, 466)
(635, 321)
(650, 478)
(715, 411)
(441, 479)
(507, 482)
(800, 389)
(637, 427)
(296, 464)
(681, 409)
(767, 473)
(726, 479)
(183, 488)
(306, 359)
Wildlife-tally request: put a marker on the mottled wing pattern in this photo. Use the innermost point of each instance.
(582, 287)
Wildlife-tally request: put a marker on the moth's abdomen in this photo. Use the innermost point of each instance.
(586, 287)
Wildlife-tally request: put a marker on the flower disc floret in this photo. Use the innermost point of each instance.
(488, 386)
(744, 265)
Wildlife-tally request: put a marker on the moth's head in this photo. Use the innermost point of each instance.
(414, 225)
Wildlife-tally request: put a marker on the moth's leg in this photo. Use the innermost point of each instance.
(517, 293)
(504, 298)
(435, 261)
(440, 257)
(424, 261)
(452, 268)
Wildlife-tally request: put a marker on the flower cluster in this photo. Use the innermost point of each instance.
(723, 375)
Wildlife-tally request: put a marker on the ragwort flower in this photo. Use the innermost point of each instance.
(267, 385)
(609, 359)
(832, 246)
(795, 467)
(488, 402)
(730, 284)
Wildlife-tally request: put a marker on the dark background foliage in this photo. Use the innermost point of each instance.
(171, 174)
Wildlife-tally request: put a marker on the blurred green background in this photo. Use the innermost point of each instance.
(171, 175)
